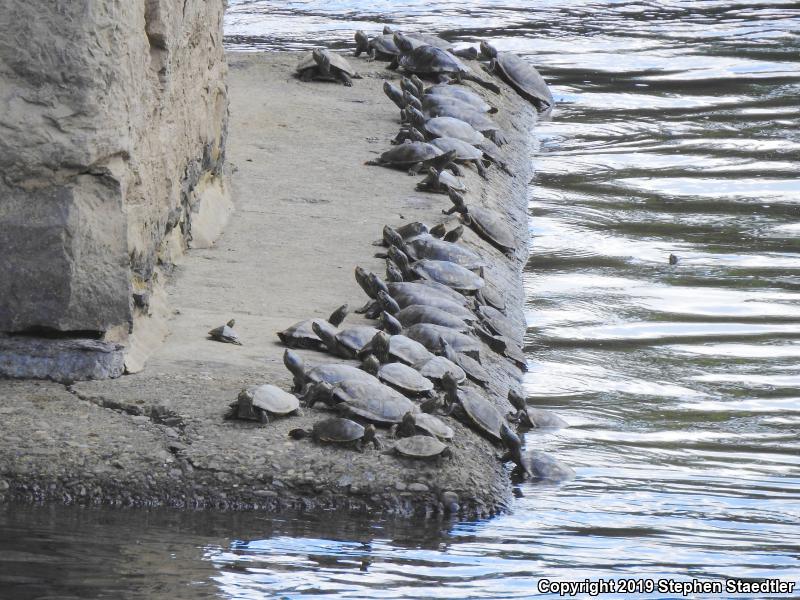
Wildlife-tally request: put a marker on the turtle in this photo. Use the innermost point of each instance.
(497, 322)
(331, 373)
(374, 402)
(408, 133)
(435, 368)
(520, 75)
(225, 333)
(421, 447)
(326, 66)
(301, 335)
(258, 403)
(458, 92)
(486, 223)
(475, 409)
(450, 107)
(424, 298)
(540, 465)
(407, 231)
(396, 347)
(432, 336)
(473, 369)
(465, 153)
(435, 62)
(419, 313)
(489, 296)
(441, 182)
(432, 287)
(337, 430)
(440, 271)
(401, 377)
(380, 47)
(445, 127)
(413, 156)
(528, 416)
(430, 247)
(347, 342)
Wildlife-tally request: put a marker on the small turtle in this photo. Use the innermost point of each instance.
(441, 182)
(475, 409)
(258, 403)
(473, 369)
(301, 335)
(326, 66)
(225, 333)
(445, 127)
(423, 424)
(486, 223)
(520, 75)
(528, 416)
(422, 447)
(401, 377)
(413, 156)
(380, 47)
(461, 93)
(436, 62)
(419, 313)
(374, 402)
(433, 248)
(390, 348)
(347, 343)
(331, 373)
(432, 336)
(440, 271)
(337, 430)
(465, 153)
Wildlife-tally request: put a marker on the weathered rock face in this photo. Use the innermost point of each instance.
(113, 118)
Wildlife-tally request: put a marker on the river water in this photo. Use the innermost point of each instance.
(677, 131)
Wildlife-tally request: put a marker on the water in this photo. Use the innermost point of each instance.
(677, 131)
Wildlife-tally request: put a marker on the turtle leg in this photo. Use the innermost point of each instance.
(372, 55)
(263, 417)
(306, 75)
(456, 170)
(415, 169)
(365, 308)
(480, 168)
(344, 78)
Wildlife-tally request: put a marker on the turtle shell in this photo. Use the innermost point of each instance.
(436, 367)
(464, 151)
(473, 369)
(339, 62)
(429, 59)
(499, 323)
(456, 128)
(481, 413)
(457, 92)
(449, 274)
(458, 110)
(225, 333)
(334, 373)
(408, 351)
(419, 313)
(374, 402)
(525, 79)
(432, 287)
(442, 182)
(404, 378)
(356, 337)
(301, 335)
(543, 466)
(491, 227)
(419, 446)
(540, 418)
(306, 62)
(384, 44)
(337, 430)
(431, 337)
(273, 399)
(434, 426)
(410, 153)
(427, 246)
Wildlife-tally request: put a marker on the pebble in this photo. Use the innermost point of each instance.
(417, 487)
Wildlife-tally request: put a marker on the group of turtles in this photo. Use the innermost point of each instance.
(421, 363)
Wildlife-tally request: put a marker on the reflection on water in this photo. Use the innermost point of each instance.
(676, 132)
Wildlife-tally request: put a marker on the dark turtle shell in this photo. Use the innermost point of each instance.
(408, 351)
(449, 274)
(410, 153)
(431, 425)
(499, 323)
(404, 378)
(457, 92)
(473, 369)
(377, 403)
(419, 313)
(420, 446)
(542, 466)
(337, 430)
(301, 335)
(525, 79)
(438, 366)
(481, 414)
(490, 226)
(429, 59)
(464, 151)
(431, 336)
(356, 337)
(455, 128)
(427, 246)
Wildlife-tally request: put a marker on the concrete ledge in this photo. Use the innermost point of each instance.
(307, 210)
(59, 360)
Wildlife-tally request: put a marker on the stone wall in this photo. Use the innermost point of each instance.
(113, 118)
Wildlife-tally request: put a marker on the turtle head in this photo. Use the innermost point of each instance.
(390, 323)
(420, 86)
(371, 364)
(409, 420)
(387, 303)
(393, 272)
(415, 117)
(394, 94)
(410, 99)
(487, 50)
(516, 398)
(370, 436)
(231, 323)
(439, 230)
(450, 387)
(409, 86)
(299, 434)
(415, 134)
(380, 346)
(362, 42)
(294, 363)
(402, 42)
(458, 201)
(339, 315)
(363, 279)
(323, 60)
(400, 258)
(245, 397)
(387, 30)
(392, 238)
(316, 392)
(377, 285)
(326, 334)
(510, 439)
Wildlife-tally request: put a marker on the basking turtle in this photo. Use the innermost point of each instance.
(473, 369)
(398, 375)
(435, 368)
(225, 333)
(347, 343)
(520, 75)
(408, 133)
(405, 232)
(435, 62)
(450, 107)
(475, 410)
(380, 47)
(465, 153)
(489, 296)
(419, 313)
(428, 246)
(390, 348)
(441, 182)
(326, 66)
(413, 156)
(258, 403)
(528, 416)
(457, 92)
(432, 336)
(422, 447)
(373, 402)
(440, 271)
(337, 430)
(486, 223)
(301, 335)
(422, 424)
(542, 466)
(330, 373)
(445, 127)
(497, 322)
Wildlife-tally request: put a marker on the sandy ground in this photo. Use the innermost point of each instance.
(307, 210)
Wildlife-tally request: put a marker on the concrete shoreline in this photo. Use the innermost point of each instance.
(307, 210)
